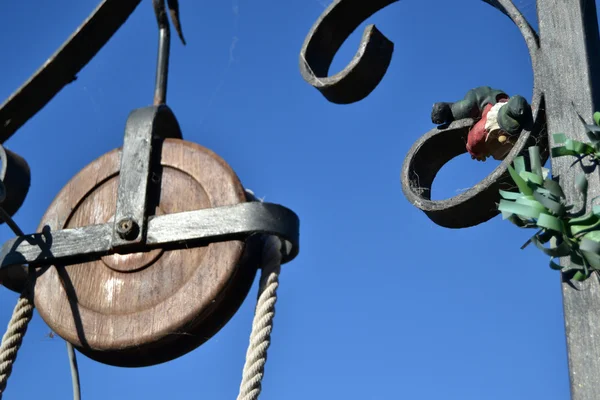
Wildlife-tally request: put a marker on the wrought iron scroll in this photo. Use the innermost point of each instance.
(64, 65)
(429, 154)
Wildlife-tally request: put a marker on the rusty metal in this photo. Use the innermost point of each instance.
(429, 154)
(164, 45)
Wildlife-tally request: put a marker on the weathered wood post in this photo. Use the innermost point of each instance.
(564, 57)
(570, 67)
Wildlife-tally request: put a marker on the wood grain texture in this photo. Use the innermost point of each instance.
(167, 303)
(570, 50)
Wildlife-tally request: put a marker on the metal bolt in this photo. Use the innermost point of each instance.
(127, 229)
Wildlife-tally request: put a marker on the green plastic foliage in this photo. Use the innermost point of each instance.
(540, 204)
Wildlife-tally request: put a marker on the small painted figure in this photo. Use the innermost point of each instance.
(500, 120)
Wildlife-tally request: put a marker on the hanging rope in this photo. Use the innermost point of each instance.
(262, 325)
(74, 371)
(12, 339)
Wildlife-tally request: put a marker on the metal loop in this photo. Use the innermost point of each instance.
(478, 204)
(368, 67)
(432, 151)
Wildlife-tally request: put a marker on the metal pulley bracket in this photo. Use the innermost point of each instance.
(132, 230)
(150, 249)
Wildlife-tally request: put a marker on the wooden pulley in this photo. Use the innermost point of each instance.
(157, 293)
(150, 249)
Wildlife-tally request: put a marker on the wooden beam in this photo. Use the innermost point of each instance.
(570, 54)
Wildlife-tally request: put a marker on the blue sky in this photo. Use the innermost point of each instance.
(380, 303)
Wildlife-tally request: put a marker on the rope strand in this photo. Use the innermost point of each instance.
(262, 325)
(12, 339)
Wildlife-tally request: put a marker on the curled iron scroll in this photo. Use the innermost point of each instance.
(429, 154)
(63, 66)
(327, 35)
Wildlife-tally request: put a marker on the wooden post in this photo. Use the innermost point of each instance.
(570, 69)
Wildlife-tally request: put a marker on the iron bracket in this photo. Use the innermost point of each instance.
(185, 229)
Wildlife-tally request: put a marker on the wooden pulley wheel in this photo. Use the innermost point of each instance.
(157, 304)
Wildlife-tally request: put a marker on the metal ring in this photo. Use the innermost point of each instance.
(369, 65)
(433, 150)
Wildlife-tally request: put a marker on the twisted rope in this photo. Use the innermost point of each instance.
(12, 339)
(262, 325)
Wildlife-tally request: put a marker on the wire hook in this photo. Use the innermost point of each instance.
(164, 45)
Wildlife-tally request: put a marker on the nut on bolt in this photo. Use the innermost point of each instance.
(127, 229)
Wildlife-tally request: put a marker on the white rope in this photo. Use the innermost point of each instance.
(12, 339)
(262, 325)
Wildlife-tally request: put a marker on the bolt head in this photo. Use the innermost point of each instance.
(127, 229)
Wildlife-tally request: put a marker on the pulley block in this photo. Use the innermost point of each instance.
(150, 249)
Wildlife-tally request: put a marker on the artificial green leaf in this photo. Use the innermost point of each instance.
(531, 203)
(515, 219)
(580, 230)
(581, 183)
(535, 160)
(520, 182)
(586, 219)
(541, 203)
(591, 242)
(554, 265)
(550, 222)
(554, 187)
(579, 276)
(563, 151)
(519, 209)
(594, 130)
(559, 138)
(562, 250)
(550, 203)
(583, 121)
(510, 195)
(579, 147)
(531, 177)
(592, 259)
(545, 236)
(519, 163)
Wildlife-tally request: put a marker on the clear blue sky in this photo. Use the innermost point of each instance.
(380, 303)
